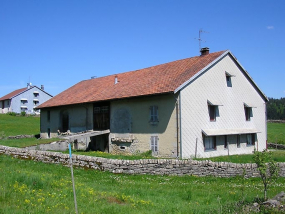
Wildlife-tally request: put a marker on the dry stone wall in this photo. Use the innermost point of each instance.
(143, 166)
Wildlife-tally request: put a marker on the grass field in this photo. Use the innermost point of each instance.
(276, 133)
(17, 125)
(34, 187)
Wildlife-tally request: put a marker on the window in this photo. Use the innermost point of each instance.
(250, 139)
(229, 79)
(24, 101)
(247, 111)
(210, 142)
(154, 144)
(48, 115)
(212, 112)
(154, 114)
(238, 141)
(226, 142)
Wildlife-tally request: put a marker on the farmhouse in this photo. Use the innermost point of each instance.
(202, 106)
(24, 100)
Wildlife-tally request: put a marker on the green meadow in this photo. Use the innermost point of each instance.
(34, 187)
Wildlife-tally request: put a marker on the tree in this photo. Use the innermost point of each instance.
(267, 167)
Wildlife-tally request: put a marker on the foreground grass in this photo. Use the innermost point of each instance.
(33, 187)
(276, 133)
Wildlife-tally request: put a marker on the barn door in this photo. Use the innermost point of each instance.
(101, 116)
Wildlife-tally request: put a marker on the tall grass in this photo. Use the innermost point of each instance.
(34, 187)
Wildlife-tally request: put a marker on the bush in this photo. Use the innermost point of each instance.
(12, 113)
(23, 113)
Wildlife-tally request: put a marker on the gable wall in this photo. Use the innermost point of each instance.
(195, 116)
(30, 96)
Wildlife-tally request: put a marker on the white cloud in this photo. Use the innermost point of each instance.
(270, 27)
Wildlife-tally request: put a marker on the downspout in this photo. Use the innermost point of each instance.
(180, 136)
(178, 125)
(177, 128)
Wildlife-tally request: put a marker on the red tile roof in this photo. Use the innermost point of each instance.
(164, 78)
(12, 94)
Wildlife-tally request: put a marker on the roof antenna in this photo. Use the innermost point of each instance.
(199, 39)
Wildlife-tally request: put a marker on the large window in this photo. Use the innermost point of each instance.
(209, 142)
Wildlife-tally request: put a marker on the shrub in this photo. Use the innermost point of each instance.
(23, 113)
(12, 113)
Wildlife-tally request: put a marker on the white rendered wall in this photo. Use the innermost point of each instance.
(30, 96)
(211, 85)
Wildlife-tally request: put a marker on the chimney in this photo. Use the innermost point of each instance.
(116, 79)
(204, 51)
(42, 87)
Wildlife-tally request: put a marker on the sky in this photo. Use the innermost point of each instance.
(58, 43)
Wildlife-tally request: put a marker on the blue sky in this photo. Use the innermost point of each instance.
(58, 43)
